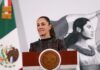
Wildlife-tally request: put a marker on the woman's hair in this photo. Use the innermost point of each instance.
(52, 33)
(73, 37)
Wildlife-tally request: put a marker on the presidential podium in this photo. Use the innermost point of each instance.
(31, 58)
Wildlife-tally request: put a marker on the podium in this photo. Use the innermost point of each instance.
(67, 58)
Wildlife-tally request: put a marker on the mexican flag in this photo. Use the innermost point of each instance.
(10, 54)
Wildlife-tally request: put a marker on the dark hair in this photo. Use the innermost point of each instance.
(80, 22)
(73, 37)
(52, 33)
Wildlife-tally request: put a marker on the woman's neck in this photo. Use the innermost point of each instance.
(82, 40)
(45, 36)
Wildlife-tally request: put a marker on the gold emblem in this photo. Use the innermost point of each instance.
(49, 59)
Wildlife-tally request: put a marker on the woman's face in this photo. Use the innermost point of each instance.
(43, 27)
(88, 30)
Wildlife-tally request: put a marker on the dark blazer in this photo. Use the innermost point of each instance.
(43, 44)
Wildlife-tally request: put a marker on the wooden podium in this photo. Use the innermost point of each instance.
(67, 58)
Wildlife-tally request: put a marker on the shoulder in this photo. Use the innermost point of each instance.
(79, 45)
(59, 41)
(34, 46)
(34, 43)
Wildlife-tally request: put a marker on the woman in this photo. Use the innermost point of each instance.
(78, 37)
(47, 37)
(83, 31)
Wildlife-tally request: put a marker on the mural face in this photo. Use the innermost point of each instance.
(88, 30)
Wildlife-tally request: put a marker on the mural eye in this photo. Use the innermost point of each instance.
(89, 26)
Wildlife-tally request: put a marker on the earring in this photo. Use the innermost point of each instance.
(78, 29)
